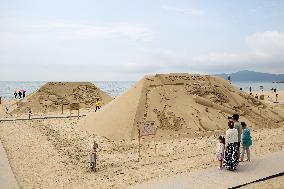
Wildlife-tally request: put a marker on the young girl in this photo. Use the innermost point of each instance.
(220, 151)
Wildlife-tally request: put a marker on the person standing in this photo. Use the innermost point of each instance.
(246, 142)
(15, 94)
(220, 151)
(24, 94)
(20, 94)
(238, 126)
(231, 159)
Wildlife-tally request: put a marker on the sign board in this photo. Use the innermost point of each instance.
(147, 128)
(261, 97)
(74, 106)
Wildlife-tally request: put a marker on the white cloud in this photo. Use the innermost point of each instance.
(266, 54)
(269, 42)
(191, 11)
(71, 31)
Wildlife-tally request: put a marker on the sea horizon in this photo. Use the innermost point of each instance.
(116, 88)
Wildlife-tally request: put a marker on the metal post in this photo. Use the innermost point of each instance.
(62, 109)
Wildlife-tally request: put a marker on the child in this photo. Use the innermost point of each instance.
(246, 141)
(93, 157)
(220, 151)
(98, 104)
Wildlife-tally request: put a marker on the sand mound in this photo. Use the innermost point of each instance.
(178, 103)
(51, 95)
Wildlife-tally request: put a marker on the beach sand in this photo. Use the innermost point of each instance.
(274, 183)
(53, 153)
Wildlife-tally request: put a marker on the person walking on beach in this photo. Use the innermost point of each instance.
(20, 94)
(231, 159)
(15, 94)
(98, 104)
(246, 142)
(220, 151)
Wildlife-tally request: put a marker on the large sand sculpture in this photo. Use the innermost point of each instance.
(178, 103)
(52, 95)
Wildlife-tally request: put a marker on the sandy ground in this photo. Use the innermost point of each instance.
(270, 97)
(53, 154)
(274, 183)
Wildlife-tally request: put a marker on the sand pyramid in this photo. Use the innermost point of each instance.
(178, 103)
(51, 95)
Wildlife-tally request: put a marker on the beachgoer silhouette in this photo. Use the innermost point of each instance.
(24, 94)
(249, 89)
(15, 94)
(275, 90)
(20, 94)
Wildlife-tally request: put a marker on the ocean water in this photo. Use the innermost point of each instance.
(116, 88)
(267, 86)
(113, 88)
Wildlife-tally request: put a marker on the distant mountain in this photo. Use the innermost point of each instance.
(246, 75)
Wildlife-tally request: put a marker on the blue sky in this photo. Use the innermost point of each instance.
(126, 39)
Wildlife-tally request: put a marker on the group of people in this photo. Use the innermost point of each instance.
(229, 147)
(21, 94)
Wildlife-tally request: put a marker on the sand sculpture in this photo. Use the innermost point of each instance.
(178, 103)
(52, 95)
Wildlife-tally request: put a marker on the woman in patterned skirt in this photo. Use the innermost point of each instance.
(231, 159)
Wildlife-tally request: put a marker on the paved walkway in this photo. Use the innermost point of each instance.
(213, 178)
(7, 178)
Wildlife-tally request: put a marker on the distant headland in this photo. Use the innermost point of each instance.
(247, 75)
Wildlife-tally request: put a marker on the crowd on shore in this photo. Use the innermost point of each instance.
(20, 94)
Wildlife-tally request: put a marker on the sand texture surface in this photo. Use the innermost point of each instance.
(190, 112)
(274, 183)
(53, 154)
(178, 104)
